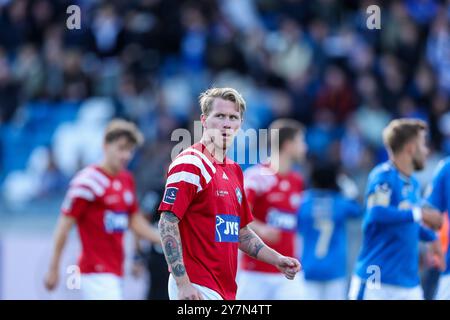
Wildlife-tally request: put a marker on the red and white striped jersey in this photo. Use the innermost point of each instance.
(274, 199)
(208, 198)
(101, 205)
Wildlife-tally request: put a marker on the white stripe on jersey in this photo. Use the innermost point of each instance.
(194, 160)
(205, 158)
(259, 170)
(80, 192)
(90, 182)
(259, 178)
(186, 177)
(97, 175)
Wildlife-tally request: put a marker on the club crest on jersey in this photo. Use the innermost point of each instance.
(407, 189)
(380, 197)
(117, 185)
(227, 228)
(239, 195)
(115, 222)
(170, 195)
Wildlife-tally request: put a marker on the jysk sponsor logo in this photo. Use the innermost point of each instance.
(115, 222)
(282, 220)
(227, 228)
(170, 195)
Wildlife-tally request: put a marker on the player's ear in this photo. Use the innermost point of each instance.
(203, 120)
(412, 146)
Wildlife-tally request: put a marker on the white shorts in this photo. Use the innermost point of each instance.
(443, 290)
(101, 286)
(359, 290)
(323, 290)
(254, 285)
(208, 294)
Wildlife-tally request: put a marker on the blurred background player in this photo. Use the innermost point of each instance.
(433, 262)
(322, 219)
(388, 265)
(273, 193)
(439, 198)
(205, 196)
(101, 201)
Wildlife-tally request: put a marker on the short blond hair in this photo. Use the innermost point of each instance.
(118, 128)
(401, 131)
(206, 99)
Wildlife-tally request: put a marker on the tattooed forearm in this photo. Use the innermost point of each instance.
(178, 270)
(245, 237)
(249, 242)
(169, 216)
(256, 248)
(171, 249)
(171, 241)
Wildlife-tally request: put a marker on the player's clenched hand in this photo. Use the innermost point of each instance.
(288, 266)
(188, 292)
(438, 256)
(432, 218)
(51, 279)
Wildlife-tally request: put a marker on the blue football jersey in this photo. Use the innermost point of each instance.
(391, 232)
(438, 193)
(322, 218)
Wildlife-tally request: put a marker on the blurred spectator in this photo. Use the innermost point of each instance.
(313, 61)
(371, 112)
(291, 53)
(107, 31)
(423, 11)
(392, 80)
(9, 90)
(352, 146)
(322, 133)
(438, 49)
(29, 71)
(52, 180)
(14, 25)
(336, 94)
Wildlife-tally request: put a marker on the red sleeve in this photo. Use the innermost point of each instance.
(301, 183)
(184, 181)
(246, 214)
(251, 187)
(134, 207)
(74, 206)
(251, 197)
(81, 193)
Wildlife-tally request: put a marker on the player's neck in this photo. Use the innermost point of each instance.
(403, 164)
(108, 168)
(280, 163)
(217, 153)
